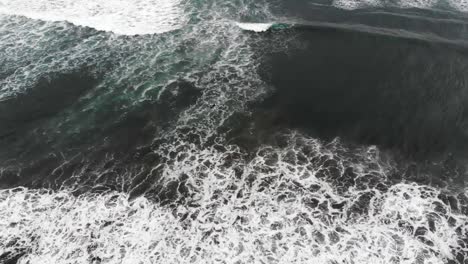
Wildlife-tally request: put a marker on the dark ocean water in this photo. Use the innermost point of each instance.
(233, 131)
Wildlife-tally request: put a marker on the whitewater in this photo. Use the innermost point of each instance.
(154, 131)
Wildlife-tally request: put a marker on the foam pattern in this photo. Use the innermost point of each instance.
(458, 5)
(298, 201)
(118, 16)
(286, 206)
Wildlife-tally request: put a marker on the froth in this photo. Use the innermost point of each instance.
(255, 27)
(354, 4)
(283, 206)
(424, 4)
(119, 16)
(47, 227)
(461, 5)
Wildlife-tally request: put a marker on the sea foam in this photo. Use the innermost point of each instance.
(255, 27)
(459, 5)
(280, 210)
(123, 17)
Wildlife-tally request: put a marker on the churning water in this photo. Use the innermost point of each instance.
(199, 131)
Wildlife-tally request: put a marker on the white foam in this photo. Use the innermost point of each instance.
(356, 4)
(423, 4)
(255, 27)
(461, 5)
(126, 17)
(236, 219)
(263, 216)
(60, 228)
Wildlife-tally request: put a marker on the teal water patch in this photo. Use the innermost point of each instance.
(281, 26)
(131, 74)
(155, 148)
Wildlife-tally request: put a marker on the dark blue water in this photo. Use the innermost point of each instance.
(173, 132)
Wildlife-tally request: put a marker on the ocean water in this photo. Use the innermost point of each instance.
(200, 131)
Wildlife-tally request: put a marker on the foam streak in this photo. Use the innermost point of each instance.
(119, 16)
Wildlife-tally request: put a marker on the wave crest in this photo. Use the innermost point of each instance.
(122, 17)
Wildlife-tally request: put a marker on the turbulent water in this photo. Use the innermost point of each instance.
(200, 131)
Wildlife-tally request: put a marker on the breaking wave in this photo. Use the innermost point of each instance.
(118, 16)
(163, 131)
(285, 207)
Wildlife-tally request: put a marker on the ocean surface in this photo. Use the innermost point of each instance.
(233, 131)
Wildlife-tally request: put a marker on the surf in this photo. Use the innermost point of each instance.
(123, 17)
